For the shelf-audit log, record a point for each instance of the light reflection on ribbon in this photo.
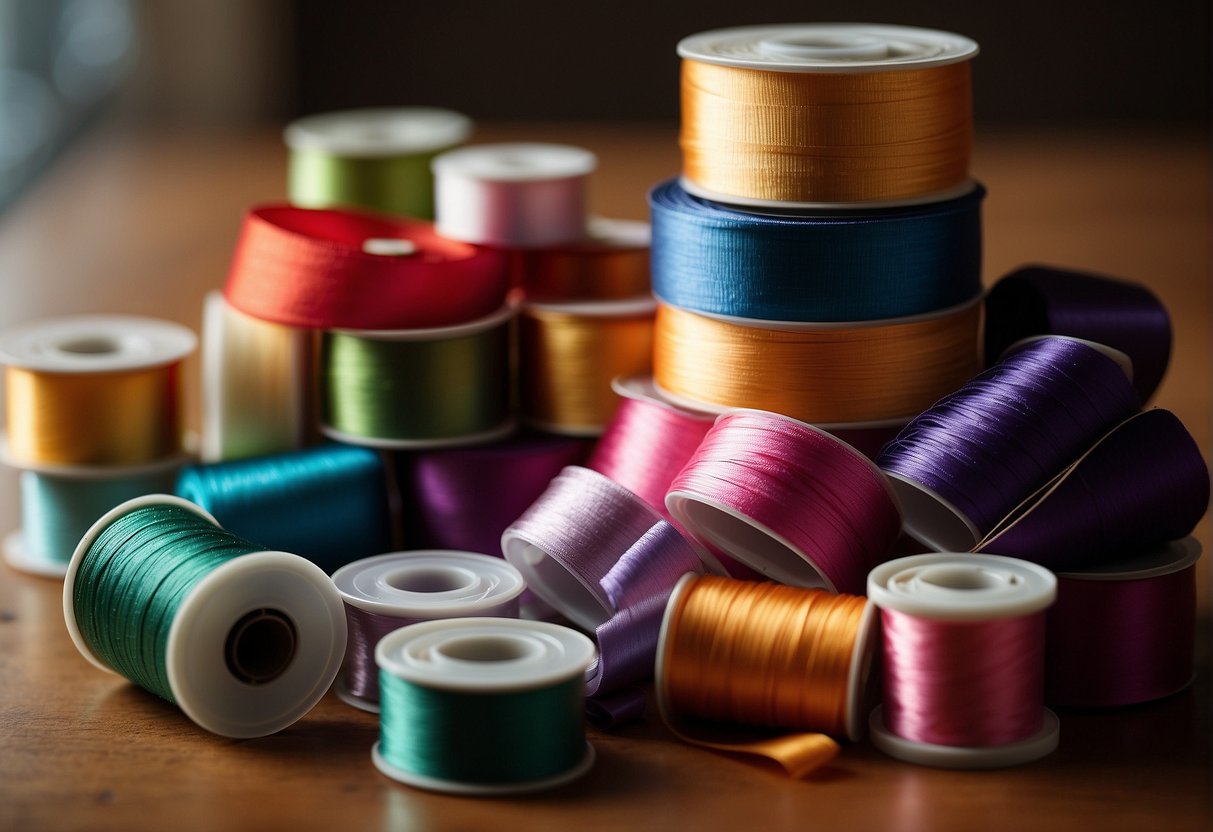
(602, 557)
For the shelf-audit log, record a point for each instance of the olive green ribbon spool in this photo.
(418, 388)
(494, 739)
(389, 184)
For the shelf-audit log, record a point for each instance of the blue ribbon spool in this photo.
(839, 266)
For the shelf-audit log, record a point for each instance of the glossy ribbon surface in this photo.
(855, 266)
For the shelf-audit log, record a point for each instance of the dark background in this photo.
(1059, 62)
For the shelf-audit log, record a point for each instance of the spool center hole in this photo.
(94, 345)
(485, 649)
(260, 646)
(962, 579)
(429, 580)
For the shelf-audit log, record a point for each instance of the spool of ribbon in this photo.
(963, 649)
(774, 657)
(867, 371)
(1125, 633)
(57, 510)
(93, 390)
(376, 158)
(418, 388)
(809, 115)
(387, 592)
(612, 263)
(513, 195)
(483, 706)
(568, 355)
(257, 384)
(1039, 300)
(964, 468)
(464, 498)
(788, 500)
(603, 558)
(840, 266)
(342, 269)
(329, 503)
(243, 641)
(647, 441)
(1142, 484)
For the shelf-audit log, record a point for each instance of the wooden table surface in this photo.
(144, 223)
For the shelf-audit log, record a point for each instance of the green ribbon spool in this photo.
(373, 158)
(483, 705)
(244, 641)
(418, 388)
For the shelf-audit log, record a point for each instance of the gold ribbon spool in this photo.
(568, 354)
(737, 653)
(827, 114)
(824, 374)
(93, 390)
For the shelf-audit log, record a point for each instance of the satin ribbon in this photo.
(421, 387)
(1124, 634)
(464, 498)
(825, 137)
(309, 268)
(1040, 300)
(612, 263)
(788, 500)
(872, 371)
(856, 266)
(568, 355)
(769, 656)
(603, 558)
(1044, 457)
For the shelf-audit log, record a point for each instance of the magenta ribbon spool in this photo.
(787, 499)
(964, 659)
(606, 560)
(1124, 634)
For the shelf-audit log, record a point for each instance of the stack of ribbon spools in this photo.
(820, 255)
(93, 419)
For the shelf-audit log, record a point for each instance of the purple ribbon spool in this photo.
(966, 463)
(606, 560)
(1039, 300)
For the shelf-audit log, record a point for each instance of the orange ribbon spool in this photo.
(870, 371)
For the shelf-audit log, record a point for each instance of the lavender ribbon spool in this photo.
(966, 463)
(386, 592)
(603, 558)
(1038, 300)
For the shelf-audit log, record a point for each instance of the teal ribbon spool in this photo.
(483, 706)
(244, 641)
(329, 504)
(57, 509)
(373, 158)
(419, 388)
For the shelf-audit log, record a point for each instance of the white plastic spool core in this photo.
(858, 675)
(379, 132)
(254, 645)
(963, 587)
(425, 585)
(95, 344)
(484, 656)
(827, 47)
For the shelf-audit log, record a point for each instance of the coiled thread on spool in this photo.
(765, 655)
